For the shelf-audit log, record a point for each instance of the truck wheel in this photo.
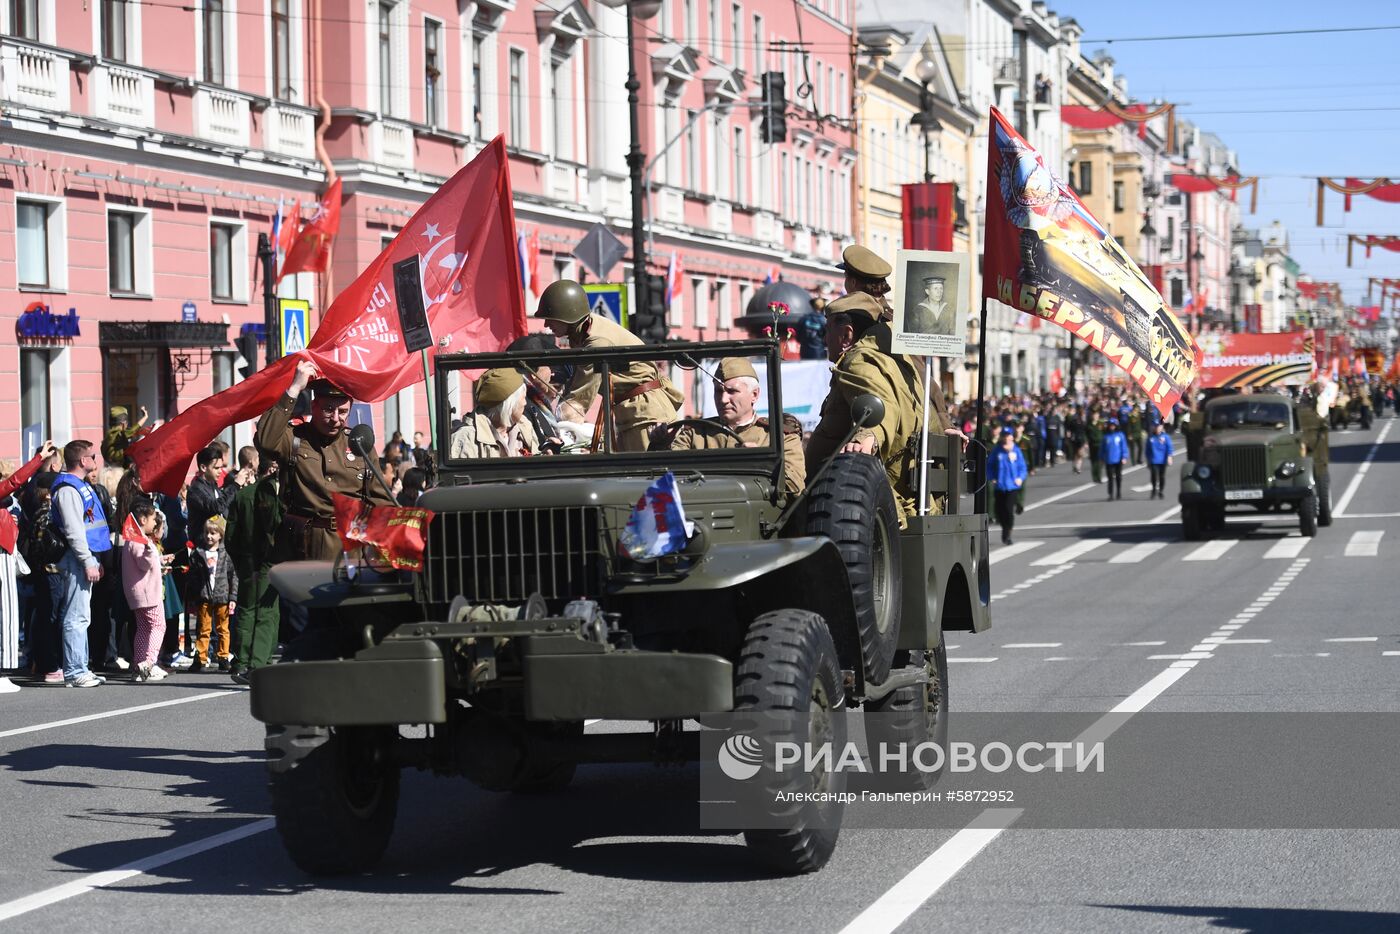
(912, 715)
(543, 778)
(335, 806)
(1324, 500)
(789, 664)
(1191, 523)
(1307, 515)
(853, 506)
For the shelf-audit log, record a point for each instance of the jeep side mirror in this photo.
(867, 411)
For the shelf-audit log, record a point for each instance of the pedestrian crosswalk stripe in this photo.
(1066, 555)
(1212, 551)
(1007, 551)
(1137, 553)
(1289, 547)
(1364, 544)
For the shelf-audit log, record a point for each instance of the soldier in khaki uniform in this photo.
(318, 463)
(866, 272)
(736, 393)
(497, 427)
(641, 397)
(120, 434)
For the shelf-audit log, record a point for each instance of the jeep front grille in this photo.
(1244, 467)
(504, 555)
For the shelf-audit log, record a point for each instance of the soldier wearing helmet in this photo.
(641, 396)
(120, 434)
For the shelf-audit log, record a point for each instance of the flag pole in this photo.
(432, 401)
(979, 499)
(923, 443)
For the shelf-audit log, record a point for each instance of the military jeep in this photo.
(1252, 454)
(528, 621)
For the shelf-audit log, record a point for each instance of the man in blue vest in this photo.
(83, 523)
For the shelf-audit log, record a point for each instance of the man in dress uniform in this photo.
(932, 315)
(318, 462)
(736, 394)
(641, 397)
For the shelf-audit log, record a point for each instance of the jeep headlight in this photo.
(1202, 472)
(1287, 469)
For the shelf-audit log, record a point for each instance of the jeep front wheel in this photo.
(1307, 516)
(788, 668)
(1191, 523)
(852, 505)
(911, 716)
(1324, 500)
(335, 806)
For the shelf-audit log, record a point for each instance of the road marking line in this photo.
(1390, 653)
(1138, 552)
(1341, 508)
(1142, 489)
(1183, 664)
(117, 713)
(1245, 641)
(1212, 551)
(1059, 658)
(1066, 555)
(1180, 657)
(98, 880)
(991, 659)
(905, 897)
(1354, 639)
(1323, 654)
(1142, 643)
(1364, 544)
(1073, 490)
(1032, 645)
(1008, 551)
(1166, 516)
(1289, 547)
(1146, 694)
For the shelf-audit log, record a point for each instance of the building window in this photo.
(432, 72)
(745, 296)
(1086, 178)
(386, 58)
(726, 308)
(715, 19)
(35, 388)
(736, 33)
(213, 23)
(221, 261)
(700, 300)
(692, 152)
(24, 19)
(1118, 197)
(560, 99)
(691, 24)
(517, 98)
(128, 253)
(758, 50)
(114, 29)
(34, 243)
(740, 159)
(1178, 293)
(477, 128)
(281, 51)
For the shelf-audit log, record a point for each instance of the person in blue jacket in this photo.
(1008, 469)
(1159, 457)
(1114, 454)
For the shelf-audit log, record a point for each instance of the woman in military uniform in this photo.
(497, 427)
(642, 398)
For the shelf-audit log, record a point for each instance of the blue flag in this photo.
(657, 525)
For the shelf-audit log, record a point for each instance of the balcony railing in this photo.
(672, 206)
(221, 117)
(391, 144)
(124, 95)
(1006, 71)
(290, 130)
(33, 77)
(802, 241)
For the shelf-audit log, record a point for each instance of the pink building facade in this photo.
(145, 147)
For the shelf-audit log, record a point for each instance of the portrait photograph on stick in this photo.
(930, 308)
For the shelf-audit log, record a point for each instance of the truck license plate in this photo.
(1244, 494)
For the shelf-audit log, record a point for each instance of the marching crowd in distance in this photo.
(99, 577)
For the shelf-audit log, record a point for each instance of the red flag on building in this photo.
(310, 248)
(1048, 256)
(464, 240)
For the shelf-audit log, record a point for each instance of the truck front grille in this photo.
(1244, 467)
(504, 555)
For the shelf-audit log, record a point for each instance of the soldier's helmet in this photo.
(563, 301)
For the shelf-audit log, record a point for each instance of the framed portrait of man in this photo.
(930, 303)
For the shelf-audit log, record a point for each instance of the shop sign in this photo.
(38, 323)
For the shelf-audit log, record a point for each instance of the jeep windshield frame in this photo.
(1243, 412)
(766, 462)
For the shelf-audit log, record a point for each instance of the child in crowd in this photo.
(143, 568)
(213, 590)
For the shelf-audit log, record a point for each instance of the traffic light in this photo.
(648, 321)
(247, 344)
(773, 129)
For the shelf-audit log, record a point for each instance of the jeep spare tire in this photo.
(852, 504)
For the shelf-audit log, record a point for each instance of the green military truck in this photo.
(1256, 451)
(527, 620)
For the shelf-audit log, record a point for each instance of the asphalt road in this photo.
(143, 807)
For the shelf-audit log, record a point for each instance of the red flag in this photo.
(397, 531)
(1048, 256)
(131, 531)
(311, 248)
(464, 240)
(286, 235)
(536, 283)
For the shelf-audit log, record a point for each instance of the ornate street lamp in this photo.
(926, 70)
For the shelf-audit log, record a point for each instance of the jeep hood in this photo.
(592, 491)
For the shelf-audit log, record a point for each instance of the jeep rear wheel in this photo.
(852, 505)
(1307, 515)
(1191, 523)
(335, 806)
(1324, 500)
(910, 716)
(788, 666)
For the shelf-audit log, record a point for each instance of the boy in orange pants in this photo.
(213, 589)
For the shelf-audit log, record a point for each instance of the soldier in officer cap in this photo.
(641, 396)
(120, 434)
(736, 395)
(868, 273)
(317, 463)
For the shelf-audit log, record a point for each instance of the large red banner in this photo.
(463, 238)
(1048, 256)
(1236, 360)
(929, 215)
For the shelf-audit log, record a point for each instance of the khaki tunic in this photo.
(477, 439)
(115, 443)
(868, 367)
(1313, 432)
(633, 416)
(316, 467)
(755, 434)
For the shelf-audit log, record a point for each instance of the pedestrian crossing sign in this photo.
(295, 315)
(608, 299)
